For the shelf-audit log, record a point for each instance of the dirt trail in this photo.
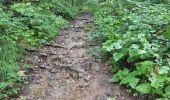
(64, 71)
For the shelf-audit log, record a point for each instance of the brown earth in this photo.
(64, 70)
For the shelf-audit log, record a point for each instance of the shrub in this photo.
(36, 24)
(137, 44)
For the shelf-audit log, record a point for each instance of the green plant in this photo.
(37, 24)
(8, 68)
(23, 25)
(137, 44)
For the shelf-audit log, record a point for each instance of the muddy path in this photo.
(64, 70)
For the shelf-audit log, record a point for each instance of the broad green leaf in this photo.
(158, 80)
(133, 55)
(115, 78)
(144, 88)
(144, 67)
(155, 84)
(145, 55)
(142, 52)
(159, 90)
(121, 74)
(117, 56)
(118, 45)
(133, 83)
(126, 79)
(167, 91)
(108, 45)
(164, 70)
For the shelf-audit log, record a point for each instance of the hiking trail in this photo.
(64, 70)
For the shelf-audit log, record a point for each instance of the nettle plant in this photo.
(138, 45)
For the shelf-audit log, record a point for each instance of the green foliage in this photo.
(60, 8)
(167, 32)
(38, 24)
(136, 42)
(91, 5)
(88, 5)
(144, 88)
(66, 11)
(8, 68)
(23, 25)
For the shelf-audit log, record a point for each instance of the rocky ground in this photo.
(64, 70)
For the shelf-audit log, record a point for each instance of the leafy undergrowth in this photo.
(8, 69)
(136, 37)
(25, 25)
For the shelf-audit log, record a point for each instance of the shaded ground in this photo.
(64, 71)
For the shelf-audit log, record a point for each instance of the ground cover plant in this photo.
(137, 44)
(24, 25)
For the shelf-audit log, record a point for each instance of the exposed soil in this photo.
(64, 70)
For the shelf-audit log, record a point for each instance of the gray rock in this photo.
(109, 92)
(58, 65)
(72, 45)
(43, 54)
(74, 75)
(95, 66)
(80, 75)
(42, 66)
(54, 70)
(87, 78)
(101, 97)
(80, 70)
(57, 92)
(86, 84)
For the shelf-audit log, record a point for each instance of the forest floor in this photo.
(65, 71)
